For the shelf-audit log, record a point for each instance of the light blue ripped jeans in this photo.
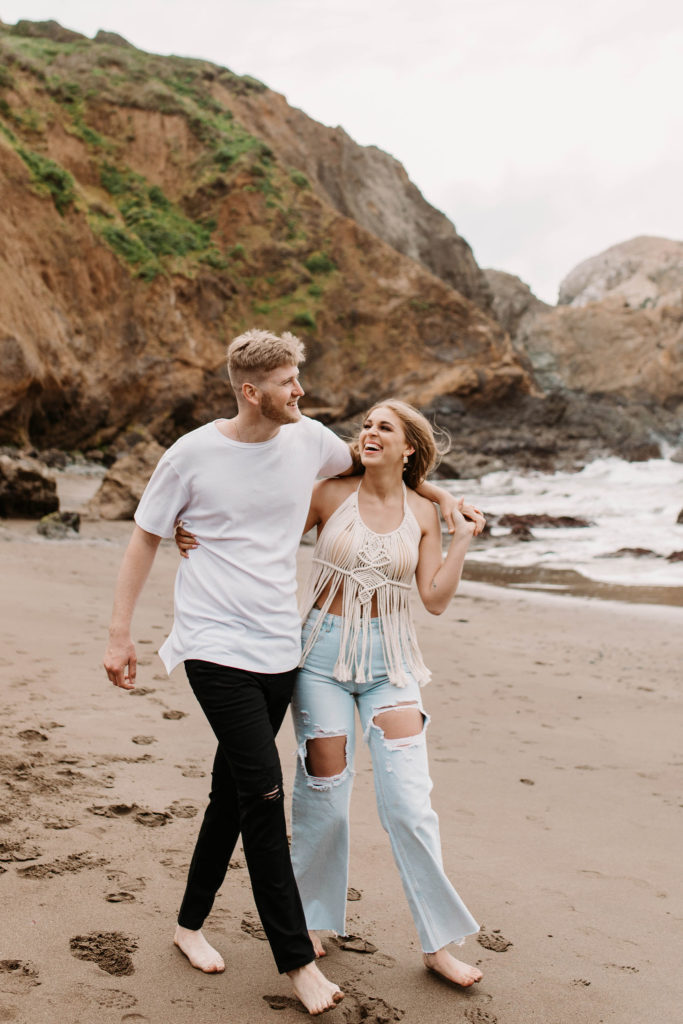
(322, 706)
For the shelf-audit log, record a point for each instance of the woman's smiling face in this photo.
(382, 439)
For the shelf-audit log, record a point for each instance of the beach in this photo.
(555, 755)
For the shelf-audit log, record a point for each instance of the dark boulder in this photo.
(59, 524)
(27, 490)
(529, 520)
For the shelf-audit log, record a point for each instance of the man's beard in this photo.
(277, 415)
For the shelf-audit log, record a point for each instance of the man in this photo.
(243, 486)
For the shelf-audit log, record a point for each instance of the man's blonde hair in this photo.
(255, 353)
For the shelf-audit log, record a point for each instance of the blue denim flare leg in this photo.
(323, 706)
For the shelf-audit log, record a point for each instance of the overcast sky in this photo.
(547, 130)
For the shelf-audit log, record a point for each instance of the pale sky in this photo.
(546, 131)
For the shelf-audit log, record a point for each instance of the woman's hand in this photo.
(185, 541)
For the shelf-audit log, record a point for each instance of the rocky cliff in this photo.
(643, 273)
(610, 362)
(619, 331)
(154, 207)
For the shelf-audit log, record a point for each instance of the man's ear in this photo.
(250, 393)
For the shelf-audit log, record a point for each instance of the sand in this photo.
(556, 765)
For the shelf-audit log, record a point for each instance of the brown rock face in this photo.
(148, 226)
(367, 185)
(121, 489)
(608, 348)
(514, 304)
(604, 347)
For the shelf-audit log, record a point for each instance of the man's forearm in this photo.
(135, 568)
(432, 492)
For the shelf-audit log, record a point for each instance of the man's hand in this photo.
(120, 662)
(458, 509)
(453, 508)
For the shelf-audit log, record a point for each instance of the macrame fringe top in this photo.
(366, 564)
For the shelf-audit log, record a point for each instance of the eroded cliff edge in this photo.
(144, 222)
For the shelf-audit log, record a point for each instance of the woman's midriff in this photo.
(337, 603)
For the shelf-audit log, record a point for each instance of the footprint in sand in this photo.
(355, 944)
(353, 894)
(476, 1015)
(141, 691)
(144, 741)
(183, 809)
(113, 810)
(355, 1008)
(111, 951)
(113, 999)
(120, 897)
(174, 716)
(152, 819)
(383, 960)
(191, 772)
(74, 862)
(21, 970)
(18, 851)
(31, 736)
(493, 940)
(253, 927)
(623, 967)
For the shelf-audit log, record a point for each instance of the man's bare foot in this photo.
(313, 989)
(316, 939)
(453, 970)
(198, 951)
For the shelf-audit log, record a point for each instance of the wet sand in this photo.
(555, 751)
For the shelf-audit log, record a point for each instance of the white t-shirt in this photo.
(235, 596)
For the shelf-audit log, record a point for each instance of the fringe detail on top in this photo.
(366, 564)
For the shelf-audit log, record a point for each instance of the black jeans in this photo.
(245, 710)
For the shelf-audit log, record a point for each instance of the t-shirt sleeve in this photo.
(163, 500)
(335, 456)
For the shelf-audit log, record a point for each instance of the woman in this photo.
(360, 651)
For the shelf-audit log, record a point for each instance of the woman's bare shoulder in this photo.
(422, 508)
(334, 489)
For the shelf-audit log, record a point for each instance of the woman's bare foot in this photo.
(198, 951)
(453, 970)
(313, 989)
(316, 939)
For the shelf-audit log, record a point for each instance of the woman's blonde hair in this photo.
(429, 442)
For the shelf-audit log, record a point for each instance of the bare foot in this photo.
(313, 989)
(316, 939)
(453, 970)
(198, 951)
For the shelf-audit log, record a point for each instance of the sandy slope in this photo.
(556, 773)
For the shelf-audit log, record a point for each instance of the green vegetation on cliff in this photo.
(54, 82)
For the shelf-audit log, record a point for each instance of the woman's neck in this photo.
(383, 484)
